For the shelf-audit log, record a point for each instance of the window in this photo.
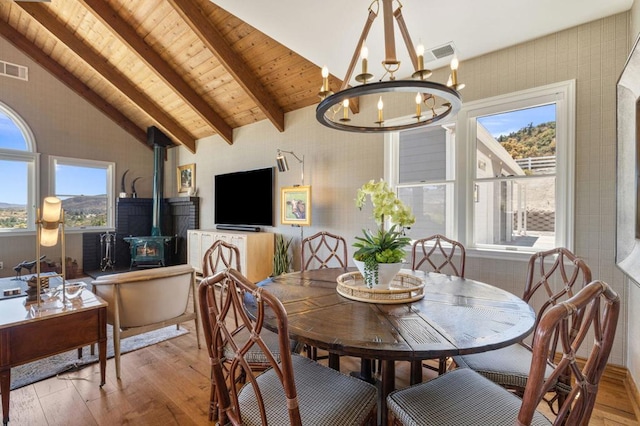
(19, 165)
(499, 178)
(86, 190)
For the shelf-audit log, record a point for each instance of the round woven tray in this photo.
(404, 288)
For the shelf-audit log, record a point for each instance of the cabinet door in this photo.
(240, 241)
(206, 241)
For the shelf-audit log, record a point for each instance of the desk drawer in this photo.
(50, 336)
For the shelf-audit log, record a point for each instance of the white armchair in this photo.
(147, 300)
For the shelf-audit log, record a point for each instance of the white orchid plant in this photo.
(383, 246)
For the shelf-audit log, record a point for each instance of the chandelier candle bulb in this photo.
(420, 53)
(325, 79)
(380, 106)
(454, 72)
(345, 106)
(418, 102)
(364, 54)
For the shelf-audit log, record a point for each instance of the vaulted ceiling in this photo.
(194, 70)
(185, 66)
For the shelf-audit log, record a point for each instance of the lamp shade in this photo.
(281, 160)
(51, 209)
(49, 237)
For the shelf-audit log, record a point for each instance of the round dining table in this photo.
(456, 316)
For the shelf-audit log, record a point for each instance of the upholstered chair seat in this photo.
(459, 397)
(325, 397)
(508, 366)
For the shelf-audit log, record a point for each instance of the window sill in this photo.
(520, 256)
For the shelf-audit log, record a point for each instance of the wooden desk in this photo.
(456, 316)
(27, 335)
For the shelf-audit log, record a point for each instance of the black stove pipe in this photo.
(160, 142)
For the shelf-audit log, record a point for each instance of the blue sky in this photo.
(75, 180)
(505, 123)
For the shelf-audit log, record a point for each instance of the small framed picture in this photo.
(295, 205)
(187, 178)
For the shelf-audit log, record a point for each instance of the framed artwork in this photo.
(295, 205)
(187, 178)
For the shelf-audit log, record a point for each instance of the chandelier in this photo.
(401, 103)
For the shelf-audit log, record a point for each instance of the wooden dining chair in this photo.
(552, 276)
(219, 257)
(319, 251)
(440, 254)
(324, 250)
(294, 388)
(463, 396)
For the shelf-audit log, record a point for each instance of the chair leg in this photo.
(116, 350)
(213, 402)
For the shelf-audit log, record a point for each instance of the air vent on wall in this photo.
(15, 71)
(439, 52)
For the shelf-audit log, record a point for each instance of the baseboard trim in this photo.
(615, 372)
(632, 390)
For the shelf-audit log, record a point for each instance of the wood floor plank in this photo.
(66, 407)
(25, 408)
(184, 387)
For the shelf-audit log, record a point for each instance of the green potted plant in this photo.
(281, 256)
(377, 251)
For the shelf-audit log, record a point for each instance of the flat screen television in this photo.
(244, 198)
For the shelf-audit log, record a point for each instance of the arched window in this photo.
(19, 169)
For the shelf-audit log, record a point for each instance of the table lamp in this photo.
(48, 227)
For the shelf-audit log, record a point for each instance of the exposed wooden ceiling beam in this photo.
(35, 53)
(127, 35)
(40, 13)
(195, 17)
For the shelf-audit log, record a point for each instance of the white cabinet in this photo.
(256, 250)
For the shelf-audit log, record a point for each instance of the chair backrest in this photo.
(220, 256)
(438, 253)
(552, 277)
(323, 250)
(219, 296)
(596, 308)
(147, 296)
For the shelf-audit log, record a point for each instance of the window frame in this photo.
(29, 156)
(563, 94)
(109, 166)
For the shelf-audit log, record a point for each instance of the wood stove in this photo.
(148, 251)
(153, 250)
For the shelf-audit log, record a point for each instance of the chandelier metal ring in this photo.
(451, 97)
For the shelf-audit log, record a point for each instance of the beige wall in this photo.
(337, 162)
(65, 125)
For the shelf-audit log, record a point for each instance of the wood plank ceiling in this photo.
(185, 66)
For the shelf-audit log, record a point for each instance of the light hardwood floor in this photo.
(167, 384)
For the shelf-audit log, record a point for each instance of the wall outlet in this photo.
(1, 265)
